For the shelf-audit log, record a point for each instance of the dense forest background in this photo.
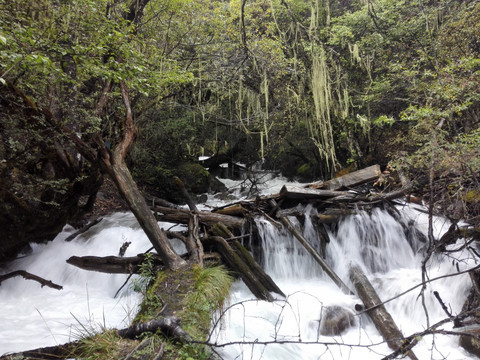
(309, 88)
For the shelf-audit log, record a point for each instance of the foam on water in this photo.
(388, 249)
(32, 316)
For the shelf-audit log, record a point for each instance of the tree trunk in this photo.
(136, 202)
(378, 313)
(116, 168)
(236, 264)
(208, 218)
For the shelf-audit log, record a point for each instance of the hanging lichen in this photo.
(354, 53)
(320, 126)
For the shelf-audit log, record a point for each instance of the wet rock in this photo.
(471, 343)
(335, 320)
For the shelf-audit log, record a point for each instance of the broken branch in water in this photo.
(29, 276)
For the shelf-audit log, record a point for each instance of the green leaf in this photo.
(3, 40)
(2, 80)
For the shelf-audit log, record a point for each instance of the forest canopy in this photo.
(304, 87)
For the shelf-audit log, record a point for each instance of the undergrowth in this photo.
(193, 294)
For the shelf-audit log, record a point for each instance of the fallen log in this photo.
(233, 210)
(169, 326)
(183, 216)
(237, 265)
(26, 275)
(155, 201)
(332, 216)
(64, 351)
(355, 178)
(264, 278)
(113, 264)
(316, 256)
(83, 229)
(242, 252)
(295, 192)
(378, 313)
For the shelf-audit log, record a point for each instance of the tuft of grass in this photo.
(211, 288)
(105, 346)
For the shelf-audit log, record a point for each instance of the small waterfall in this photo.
(387, 246)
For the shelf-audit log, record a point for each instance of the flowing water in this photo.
(32, 316)
(388, 248)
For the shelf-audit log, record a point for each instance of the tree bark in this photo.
(169, 326)
(349, 180)
(378, 313)
(354, 178)
(64, 351)
(207, 218)
(112, 264)
(117, 169)
(235, 263)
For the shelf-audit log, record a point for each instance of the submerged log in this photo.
(83, 229)
(378, 313)
(316, 256)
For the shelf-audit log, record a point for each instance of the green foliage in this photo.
(212, 286)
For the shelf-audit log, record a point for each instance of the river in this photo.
(388, 248)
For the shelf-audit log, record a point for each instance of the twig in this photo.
(28, 276)
(83, 229)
